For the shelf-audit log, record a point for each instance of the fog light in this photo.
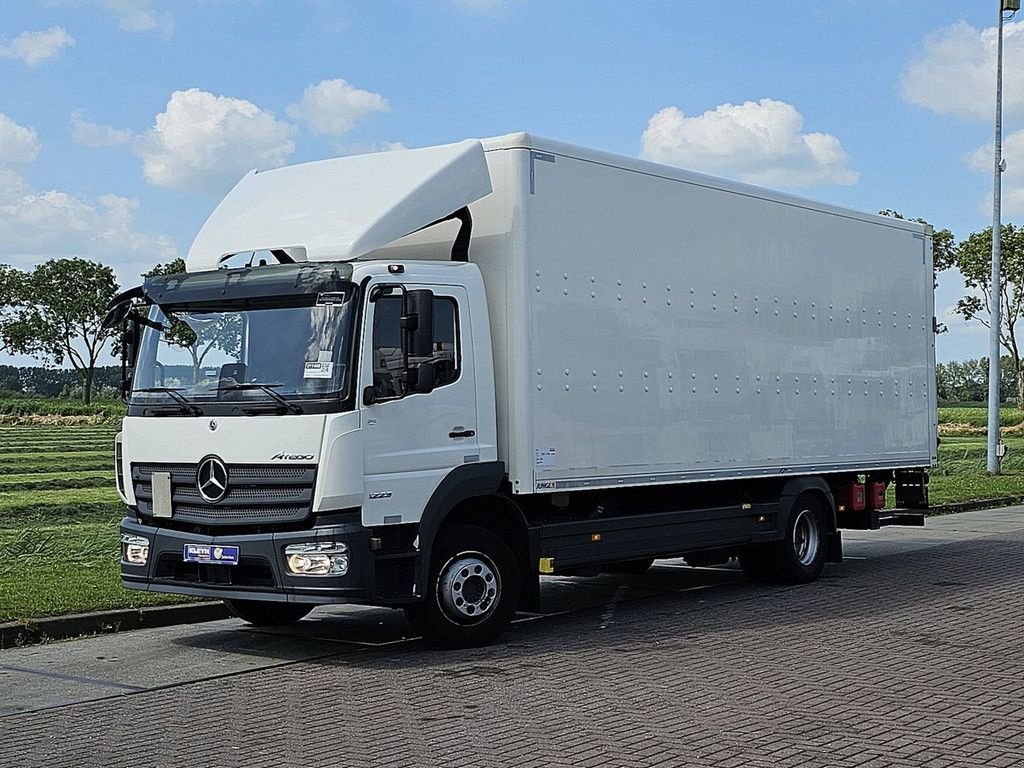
(317, 558)
(134, 549)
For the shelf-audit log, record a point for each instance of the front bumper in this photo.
(260, 574)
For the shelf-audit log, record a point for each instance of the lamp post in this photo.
(993, 339)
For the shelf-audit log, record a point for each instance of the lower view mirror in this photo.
(369, 395)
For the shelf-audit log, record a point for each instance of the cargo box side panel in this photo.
(681, 332)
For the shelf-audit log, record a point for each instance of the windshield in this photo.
(208, 357)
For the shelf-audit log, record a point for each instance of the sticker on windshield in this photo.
(319, 369)
(327, 299)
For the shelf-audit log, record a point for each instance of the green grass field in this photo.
(59, 511)
(59, 514)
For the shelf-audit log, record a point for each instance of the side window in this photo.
(446, 334)
(389, 372)
(388, 361)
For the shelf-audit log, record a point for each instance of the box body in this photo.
(652, 325)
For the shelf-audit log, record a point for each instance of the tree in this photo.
(967, 380)
(55, 312)
(222, 333)
(973, 257)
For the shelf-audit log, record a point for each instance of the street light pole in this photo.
(993, 341)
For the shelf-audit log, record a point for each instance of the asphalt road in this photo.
(907, 654)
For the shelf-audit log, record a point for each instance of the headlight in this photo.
(317, 558)
(134, 549)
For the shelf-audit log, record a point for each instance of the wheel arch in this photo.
(470, 495)
(796, 486)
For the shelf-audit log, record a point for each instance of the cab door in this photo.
(412, 440)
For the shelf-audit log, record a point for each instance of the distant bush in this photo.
(52, 406)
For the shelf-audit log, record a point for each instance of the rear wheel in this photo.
(800, 556)
(266, 613)
(472, 592)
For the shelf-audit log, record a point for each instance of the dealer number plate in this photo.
(216, 554)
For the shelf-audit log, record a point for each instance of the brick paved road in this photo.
(908, 657)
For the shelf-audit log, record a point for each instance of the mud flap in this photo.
(835, 547)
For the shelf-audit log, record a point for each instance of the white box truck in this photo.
(423, 378)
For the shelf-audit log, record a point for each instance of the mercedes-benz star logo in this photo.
(212, 479)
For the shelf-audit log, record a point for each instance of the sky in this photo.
(122, 122)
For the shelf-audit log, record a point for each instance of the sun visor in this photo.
(342, 208)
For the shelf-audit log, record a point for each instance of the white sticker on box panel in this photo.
(544, 458)
(318, 369)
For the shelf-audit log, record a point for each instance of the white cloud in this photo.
(42, 224)
(204, 143)
(36, 47)
(956, 69)
(758, 142)
(139, 16)
(982, 161)
(84, 131)
(333, 107)
(18, 145)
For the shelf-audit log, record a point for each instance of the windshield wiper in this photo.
(268, 388)
(175, 394)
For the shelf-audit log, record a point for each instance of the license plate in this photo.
(216, 554)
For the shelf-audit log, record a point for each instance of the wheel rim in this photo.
(468, 588)
(805, 537)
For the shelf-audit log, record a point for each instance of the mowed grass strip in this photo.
(59, 482)
(43, 464)
(47, 437)
(30, 455)
(29, 449)
(11, 479)
(75, 504)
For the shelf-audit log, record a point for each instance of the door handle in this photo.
(461, 433)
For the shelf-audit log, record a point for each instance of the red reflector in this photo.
(878, 495)
(858, 500)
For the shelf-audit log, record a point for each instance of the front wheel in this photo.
(472, 592)
(267, 613)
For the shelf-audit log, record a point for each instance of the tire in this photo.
(472, 591)
(267, 613)
(800, 557)
(629, 567)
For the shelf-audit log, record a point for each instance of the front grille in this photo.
(257, 494)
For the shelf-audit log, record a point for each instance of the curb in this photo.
(970, 506)
(29, 632)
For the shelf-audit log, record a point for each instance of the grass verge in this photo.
(53, 567)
